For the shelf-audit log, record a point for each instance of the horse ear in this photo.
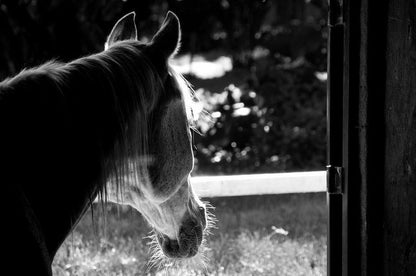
(124, 29)
(167, 39)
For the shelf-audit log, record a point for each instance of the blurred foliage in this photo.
(276, 119)
(272, 120)
(279, 125)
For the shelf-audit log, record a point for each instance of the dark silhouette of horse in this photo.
(115, 125)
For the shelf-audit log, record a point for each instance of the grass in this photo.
(256, 235)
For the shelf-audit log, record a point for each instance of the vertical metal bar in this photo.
(335, 131)
(334, 253)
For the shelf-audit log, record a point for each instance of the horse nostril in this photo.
(171, 248)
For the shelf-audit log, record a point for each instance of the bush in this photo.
(278, 125)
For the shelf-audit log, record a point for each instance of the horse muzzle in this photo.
(189, 239)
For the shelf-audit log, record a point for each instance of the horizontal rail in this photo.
(259, 184)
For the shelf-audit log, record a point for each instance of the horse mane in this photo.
(115, 89)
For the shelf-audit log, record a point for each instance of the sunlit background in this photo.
(259, 69)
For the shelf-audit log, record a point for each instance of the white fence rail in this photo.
(259, 184)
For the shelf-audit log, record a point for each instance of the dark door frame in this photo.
(356, 142)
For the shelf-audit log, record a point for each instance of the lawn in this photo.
(255, 235)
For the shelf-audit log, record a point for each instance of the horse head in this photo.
(162, 192)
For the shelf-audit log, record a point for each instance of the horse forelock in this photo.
(191, 102)
(134, 71)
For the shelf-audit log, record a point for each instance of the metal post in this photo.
(335, 131)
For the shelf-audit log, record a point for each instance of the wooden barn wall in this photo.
(399, 227)
(379, 141)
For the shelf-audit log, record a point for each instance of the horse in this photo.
(114, 125)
